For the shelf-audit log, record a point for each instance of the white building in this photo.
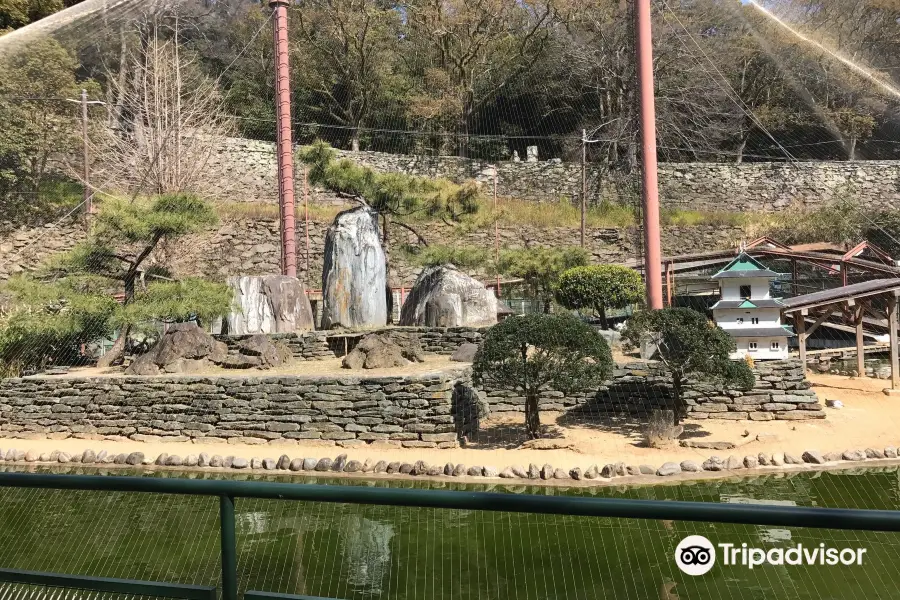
(747, 310)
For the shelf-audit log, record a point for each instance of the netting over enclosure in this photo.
(467, 179)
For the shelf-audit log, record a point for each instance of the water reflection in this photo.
(402, 553)
(367, 552)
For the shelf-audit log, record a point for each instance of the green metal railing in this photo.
(228, 491)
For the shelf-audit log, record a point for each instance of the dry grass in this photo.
(511, 212)
(267, 211)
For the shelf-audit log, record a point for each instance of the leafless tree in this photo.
(168, 120)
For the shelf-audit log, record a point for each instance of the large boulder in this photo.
(183, 348)
(354, 279)
(444, 296)
(269, 304)
(268, 353)
(185, 340)
(377, 351)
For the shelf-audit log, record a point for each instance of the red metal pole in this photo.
(284, 142)
(650, 187)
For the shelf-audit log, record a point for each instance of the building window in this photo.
(740, 320)
(745, 291)
(754, 321)
(753, 346)
(775, 345)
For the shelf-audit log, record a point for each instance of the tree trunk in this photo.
(463, 129)
(603, 322)
(532, 416)
(851, 148)
(354, 141)
(532, 394)
(117, 352)
(740, 151)
(386, 245)
(678, 401)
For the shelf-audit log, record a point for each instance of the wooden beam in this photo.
(669, 283)
(892, 324)
(822, 318)
(860, 342)
(800, 324)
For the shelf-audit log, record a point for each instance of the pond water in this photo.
(344, 551)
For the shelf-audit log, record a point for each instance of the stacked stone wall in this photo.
(323, 345)
(420, 411)
(247, 168)
(781, 392)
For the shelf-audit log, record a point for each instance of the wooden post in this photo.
(496, 234)
(668, 284)
(794, 277)
(306, 215)
(860, 342)
(892, 324)
(86, 167)
(800, 324)
(583, 184)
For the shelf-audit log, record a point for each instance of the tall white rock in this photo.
(354, 278)
(269, 304)
(444, 296)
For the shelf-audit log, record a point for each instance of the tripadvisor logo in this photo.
(696, 555)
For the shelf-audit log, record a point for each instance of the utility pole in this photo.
(583, 184)
(650, 185)
(306, 215)
(496, 233)
(284, 142)
(86, 173)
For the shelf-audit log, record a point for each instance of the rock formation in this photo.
(354, 279)
(465, 353)
(269, 304)
(444, 296)
(378, 351)
(185, 348)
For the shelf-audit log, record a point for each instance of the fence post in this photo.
(86, 167)
(229, 547)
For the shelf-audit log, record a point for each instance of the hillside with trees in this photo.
(490, 77)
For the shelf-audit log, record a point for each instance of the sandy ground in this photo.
(869, 419)
(311, 368)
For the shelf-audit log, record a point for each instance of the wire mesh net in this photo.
(351, 551)
(138, 171)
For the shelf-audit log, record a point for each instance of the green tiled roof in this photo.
(744, 262)
(745, 266)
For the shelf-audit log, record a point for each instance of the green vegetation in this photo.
(689, 345)
(535, 352)
(35, 130)
(464, 257)
(392, 195)
(540, 268)
(844, 221)
(18, 13)
(70, 302)
(599, 288)
(50, 321)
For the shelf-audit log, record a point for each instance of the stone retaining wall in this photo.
(781, 392)
(246, 169)
(427, 411)
(250, 246)
(322, 345)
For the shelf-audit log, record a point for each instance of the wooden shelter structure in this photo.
(877, 297)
